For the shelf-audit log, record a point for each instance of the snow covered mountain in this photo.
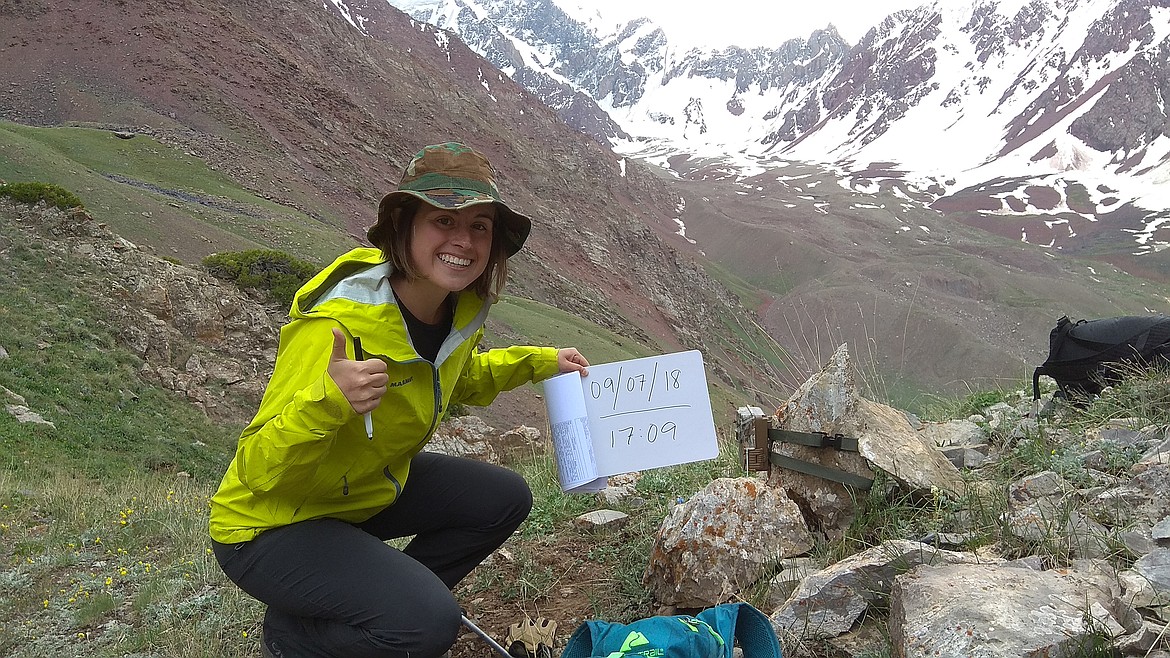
(1046, 108)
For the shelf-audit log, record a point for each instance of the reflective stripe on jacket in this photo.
(306, 454)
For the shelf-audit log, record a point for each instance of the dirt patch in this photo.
(553, 578)
(513, 409)
(1044, 198)
(963, 202)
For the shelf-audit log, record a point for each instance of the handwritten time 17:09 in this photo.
(650, 434)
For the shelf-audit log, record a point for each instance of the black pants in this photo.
(334, 589)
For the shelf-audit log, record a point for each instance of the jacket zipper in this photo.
(436, 407)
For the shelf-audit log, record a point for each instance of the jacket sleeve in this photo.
(299, 417)
(486, 374)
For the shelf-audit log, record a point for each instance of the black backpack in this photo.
(1087, 355)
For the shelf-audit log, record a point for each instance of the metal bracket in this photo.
(814, 439)
(823, 472)
(755, 443)
(833, 441)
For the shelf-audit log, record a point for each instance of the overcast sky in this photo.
(751, 22)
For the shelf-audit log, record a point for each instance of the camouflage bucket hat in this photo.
(452, 176)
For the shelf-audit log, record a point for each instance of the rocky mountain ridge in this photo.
(1048, 110)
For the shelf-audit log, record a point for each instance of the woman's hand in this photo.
(362, 382)
(570, 360)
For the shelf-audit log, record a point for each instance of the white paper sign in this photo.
(630, 416)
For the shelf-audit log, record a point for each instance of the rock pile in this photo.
(1069, 566)
(198, 336)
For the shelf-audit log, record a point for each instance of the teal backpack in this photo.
(710, 634)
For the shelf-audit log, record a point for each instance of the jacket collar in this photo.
(355, 291)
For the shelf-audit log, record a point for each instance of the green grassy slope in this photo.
(155, 194)
(65, 360)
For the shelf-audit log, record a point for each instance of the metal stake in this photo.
(486, 638)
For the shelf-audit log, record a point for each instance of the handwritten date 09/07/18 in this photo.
(638, 384)
(650, 434)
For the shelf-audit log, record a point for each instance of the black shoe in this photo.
(270, 650)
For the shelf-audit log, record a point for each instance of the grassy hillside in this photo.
(65, 361)
(103, 514)
(540, 324)
(153, 193)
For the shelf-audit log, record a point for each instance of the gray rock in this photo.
(1159, 454)
(792, 572)
(1147, 583)
(23, 414)
(1141, 641)
(1160, 533)
(966, 456)
(1055, 521)
(518, 443)
(1137, 541)
(985, 611)
(1033, 562)
(1034, 487)
(614, 495)
(464, 436)
(828, 602)
(1143, 498)
(1117, 432)
(1023, 428)
(602, 520)
(948, 539)
(12, 396)
(1000, 415)
(830, 402)
(953, 433)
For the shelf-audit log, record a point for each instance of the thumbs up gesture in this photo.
(362, 382)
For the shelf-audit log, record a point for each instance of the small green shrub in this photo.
(34, 193)
(275, 272)
(1143, 392)
(974, 403)
(454, 411)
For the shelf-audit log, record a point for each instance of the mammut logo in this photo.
(404, 382)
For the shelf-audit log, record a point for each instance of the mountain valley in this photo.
(780, 261)
(193, 127)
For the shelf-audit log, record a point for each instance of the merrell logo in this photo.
(404, 382)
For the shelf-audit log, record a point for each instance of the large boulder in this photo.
(720, 542)
(887, 440)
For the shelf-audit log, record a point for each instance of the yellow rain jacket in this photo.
(306, 454)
